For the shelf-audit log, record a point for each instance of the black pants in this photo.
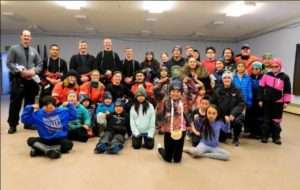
(137, 142)
(195, 139)
(269, 126)
(78, 134)
(236, 126)
(111, 138)
(20, 89)
(173, 148)
(254, 120)
(66, 145)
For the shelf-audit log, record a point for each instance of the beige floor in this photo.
(253, 166)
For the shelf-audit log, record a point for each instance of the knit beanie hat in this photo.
(141, 92)
(257, 65)
(119, 102)
(176, 84)
(227, 74)
(277, 61)
(107, 95)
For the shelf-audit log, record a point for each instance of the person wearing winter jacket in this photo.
(52, 126)
(113, 139)
(210, 62)
(79, 128)
(142, 121)
(274, 95)
(230, 101)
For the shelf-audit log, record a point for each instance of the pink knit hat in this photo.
(277, 61)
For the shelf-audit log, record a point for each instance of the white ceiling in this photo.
(128, 19)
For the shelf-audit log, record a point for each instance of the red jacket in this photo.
(148, 87)
(95, 94)
(60, 93)
(210, 65)
(248, 62)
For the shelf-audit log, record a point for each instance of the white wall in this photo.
(281, 44)
(69, 45)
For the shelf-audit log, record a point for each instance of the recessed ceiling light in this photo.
(72, 5)
(240, 8)
(81, 17)
(218, 22)
(151, 19)
(158, 6)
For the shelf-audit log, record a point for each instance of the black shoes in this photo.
(30, 127)
(12, 129)
(236, 142)
(277, 141)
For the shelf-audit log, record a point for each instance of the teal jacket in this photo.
(142, 123)
(83, 118)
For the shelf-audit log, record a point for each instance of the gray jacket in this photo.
(16, 55)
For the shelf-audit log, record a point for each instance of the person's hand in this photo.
(185, 80)
(65, 103)
(227, 119)
(285, 105)
(128, 80)
(197, 133)
(31, 72)
(84, 78)
(86, 127)
(35, 106)
(25, 73)
(260, 103)
(108, 73)
(231, 117)
(90, 132)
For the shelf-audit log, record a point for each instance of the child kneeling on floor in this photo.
(52, 126)
(175, 124)
(113, 137)
(210, 129)
(142, 121)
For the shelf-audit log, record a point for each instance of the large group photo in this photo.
(154, 112)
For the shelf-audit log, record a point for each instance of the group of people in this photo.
(181, 97)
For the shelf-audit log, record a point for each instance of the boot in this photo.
(115, 149)
(12, 129)
(52, 152)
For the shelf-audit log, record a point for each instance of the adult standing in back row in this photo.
(108, 61)
(83, 63)
(24, 63)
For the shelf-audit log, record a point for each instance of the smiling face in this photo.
(119, 109)
(227, 81)
(211, 114)
(141, 99)
(83, 47)
(95, 75)
(49, 108)
(175, 94)
(25, 38)
(240, 68)
(219, 65)
(164, 58)
(227, 54)
(72, 98)
(54, 52)
(275, 68)
(149, 56)
(210, 54)
(129, 53)
(140, 77)
(117, 78)
(192, 63)
(245, 51)
(107, 44)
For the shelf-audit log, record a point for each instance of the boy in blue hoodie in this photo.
(52, 126)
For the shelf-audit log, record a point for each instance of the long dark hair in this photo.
(232, 53)
(137, 105)
(207, 129)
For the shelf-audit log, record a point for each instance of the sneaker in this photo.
(264, 140)
(101, 148)
(115, 149)
(277, 141)
(53, 154)
(12, 129)
(236, 142)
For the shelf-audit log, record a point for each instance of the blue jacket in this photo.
(50, 125)
(245, 86)
(101, 107)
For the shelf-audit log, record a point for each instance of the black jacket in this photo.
(119, 91)
(118, 123)
(108, 60)
(77, 64)
(229, 101)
